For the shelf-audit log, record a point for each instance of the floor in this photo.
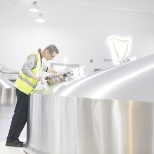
(6, 113)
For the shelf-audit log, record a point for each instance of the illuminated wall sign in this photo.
(119, 47)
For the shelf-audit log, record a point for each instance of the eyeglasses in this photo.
(52, 56)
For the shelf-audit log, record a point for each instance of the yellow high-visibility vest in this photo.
(25, 83)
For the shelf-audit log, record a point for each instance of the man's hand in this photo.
(38, 78)
(52, 71)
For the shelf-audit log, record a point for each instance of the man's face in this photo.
(50, 56)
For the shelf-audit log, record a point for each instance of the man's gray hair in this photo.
(52, 48)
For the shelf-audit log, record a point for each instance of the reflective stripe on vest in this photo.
(26, 81)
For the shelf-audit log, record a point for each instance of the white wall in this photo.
(79, 32)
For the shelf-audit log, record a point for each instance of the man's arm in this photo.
(29, 65)
(51, 71)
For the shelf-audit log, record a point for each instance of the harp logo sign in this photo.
(119, 47)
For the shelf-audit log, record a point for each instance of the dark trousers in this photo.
(19, 118)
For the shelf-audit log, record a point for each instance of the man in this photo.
(26, 82)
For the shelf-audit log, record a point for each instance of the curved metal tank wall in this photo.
(128, 81)
(107, 112)
(7, 92)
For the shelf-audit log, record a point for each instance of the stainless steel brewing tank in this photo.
(130, 81)
(107, 112)
(71, 125)
(7, 92)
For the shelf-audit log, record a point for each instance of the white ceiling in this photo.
(60, 10)
(50, 5)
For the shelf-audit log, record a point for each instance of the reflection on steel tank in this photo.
(127, 81)
(107, 112)
(7, 92)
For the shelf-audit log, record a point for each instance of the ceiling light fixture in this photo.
(40, 18)
(34, 7)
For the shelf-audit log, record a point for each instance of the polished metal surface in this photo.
(128, 81)
(107, 112)
(7, 92)
(69, 125)
(9, 73)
